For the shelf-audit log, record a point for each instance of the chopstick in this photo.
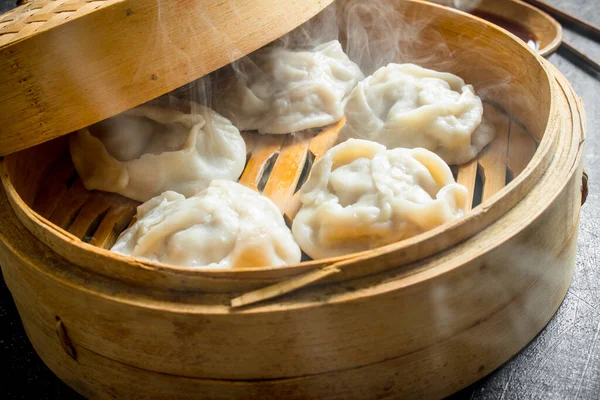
(579, 58)
(568, 20)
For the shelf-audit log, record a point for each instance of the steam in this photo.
(463, 5)
(373, 34)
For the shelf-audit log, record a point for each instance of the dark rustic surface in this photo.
(562, 362)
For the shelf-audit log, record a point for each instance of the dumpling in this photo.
(282, 91)
(361, 196)
(225, 226)
(148, 150)
(404, 105)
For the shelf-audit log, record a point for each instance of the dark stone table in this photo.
(562, 362)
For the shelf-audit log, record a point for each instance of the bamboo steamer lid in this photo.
(66, 64)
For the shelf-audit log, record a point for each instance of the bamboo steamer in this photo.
(546, 29)
(420, 318)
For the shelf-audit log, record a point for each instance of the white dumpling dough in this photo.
(360, 196)
(282, 91)
(225, 226)
(148, 150)
(404, 105)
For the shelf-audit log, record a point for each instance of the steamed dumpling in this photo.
(282, 91)
(361, 196)
(225, 226)
(404, 105)
(148, 150)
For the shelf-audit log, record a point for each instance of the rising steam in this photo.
(372, 34)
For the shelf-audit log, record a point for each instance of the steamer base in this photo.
(465, 310)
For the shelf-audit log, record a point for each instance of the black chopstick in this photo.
(569, 20)
(580, 59)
